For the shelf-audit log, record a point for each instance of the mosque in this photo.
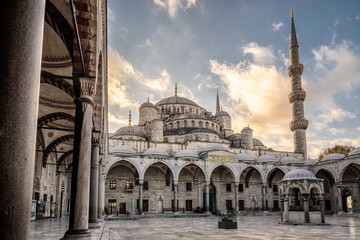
(182, 158)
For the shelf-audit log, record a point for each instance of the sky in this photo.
(241, 48)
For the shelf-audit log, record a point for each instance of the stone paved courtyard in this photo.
(249, 227)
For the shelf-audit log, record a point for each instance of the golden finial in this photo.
(175, 89)
(148, 99)
(292, 13)
(129, 118)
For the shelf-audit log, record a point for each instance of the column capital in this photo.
(95, 140)
(338, 184)
(175, 183)
(85, 89)
(306, 196)
(236, 184)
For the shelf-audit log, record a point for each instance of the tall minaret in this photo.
(217, 101)
(299, 124)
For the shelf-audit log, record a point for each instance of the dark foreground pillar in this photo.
(21, 36)
(94, 181)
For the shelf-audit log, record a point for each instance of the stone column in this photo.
(236, 197)
(101, 192)
(286, 209)
(80, 182)
(21, 28)
(141, 184)
(94, 178)
(175, 197)
(207, 197)
(322, 210)
(282, 208)
(339, 195)
(306, 208)
(264, 197)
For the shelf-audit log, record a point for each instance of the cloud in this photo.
(122, 74)
(277, 26)
(258, 94)
(111, 15)
(172, 6)
(322, 120)
(261, 55)
(116, 121)
(357, 17)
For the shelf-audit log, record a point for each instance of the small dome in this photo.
(129, 130)
(156, 151)
(176, 100)
(188, 116)
(355, 151)
(310, 162)
(246, 129)
(257, 142)
(290, 160)
(214, 147)
(186, 154)
(221, 113)
(266, 159)
(234, 137)
(147, 104)
(333, 156)
(299, 174)
(123, 150)
(244, 157)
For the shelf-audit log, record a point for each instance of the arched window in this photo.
(197, 111)
(207, 125)
(185, 124)
(200, 124)
(177, 124)
(165, 139)
(165, 127)
(171, 126)
(212, 126)
(192, 123)
(207, 138)
(196, 137)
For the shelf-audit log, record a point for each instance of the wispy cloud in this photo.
(172, 6)
(357, 17)
(277, 26)
(261, 55)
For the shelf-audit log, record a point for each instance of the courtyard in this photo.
(249, 227)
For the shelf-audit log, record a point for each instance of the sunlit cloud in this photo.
(277, 26)
(172, 6)
(260, 55)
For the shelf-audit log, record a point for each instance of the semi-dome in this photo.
(188, 116)
(355, 151)
(176, 100)
(290, 160)
(214, 147)
(333, 156)
(299, 174)
(221, 113)
(310, 162)
(266, 159)
(244, 157)
(123, 150)
(186, 154)
(147, 104)
(156, 151)
(129, 130)
(257, 142)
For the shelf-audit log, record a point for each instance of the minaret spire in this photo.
(129, 118)
(217, 101)
(299, 124)
(175, 89)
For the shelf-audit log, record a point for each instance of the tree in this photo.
(337, 148)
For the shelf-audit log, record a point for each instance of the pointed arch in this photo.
(272, 174)
(53, 145)
(58, 82)
(55, 116)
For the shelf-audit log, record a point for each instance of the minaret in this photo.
(217, 101)
(299, 124)
(175, 89)
(129, 118)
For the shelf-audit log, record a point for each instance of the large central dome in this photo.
(176, 100)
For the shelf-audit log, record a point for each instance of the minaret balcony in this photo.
(297, 95)
(295, 70)
(299, 124)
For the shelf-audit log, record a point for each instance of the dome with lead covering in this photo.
(214, 147)
(244, 157)
(123, 150)
(221, 113)
(129, 130)
(156, 151)
(257, 142)
(147, 104)
(298, 174)
(266, 159)
(355, 151)
(290, 160)
(188, 116)
(176, 100)
(186, 154)
(333, 156)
